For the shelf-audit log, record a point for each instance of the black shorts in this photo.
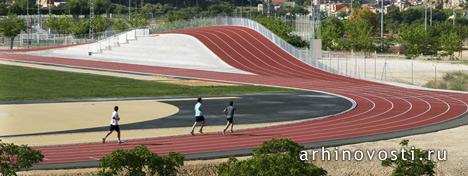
(199, 118)
(114, 127)
(230, 119)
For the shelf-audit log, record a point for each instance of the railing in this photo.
(115, 40)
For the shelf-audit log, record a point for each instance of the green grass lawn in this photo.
(22, 83)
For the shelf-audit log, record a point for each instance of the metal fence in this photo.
(115, 40)
(38, 40)
(388, 67)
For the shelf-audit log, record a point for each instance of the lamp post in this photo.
(382, 25)
(91, 16)
(425, 15)
(129, 8)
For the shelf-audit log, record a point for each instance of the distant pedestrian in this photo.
(198, 116)
(229, 112)
(114, 125)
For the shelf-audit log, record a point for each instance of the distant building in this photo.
(45, 3)
(453, 3)
(284, 3)
(338, 7)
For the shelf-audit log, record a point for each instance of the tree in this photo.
(368, 16)
(358, 34)
(280, 28)
(120, 25)
(332, 31)
(278, 157)
(101, 24)
(14, 158)
(102, 6)
(418, 167)
(11, 26)
(61, 25)
(415, 41)
(80, 27)
(182, 14)
(450, 43)
(139, 162)
(393, 18)
(137, 20)
(19, 7)
(77, 7)
(119, 9)
(221, 8)
(3, 9)
(356, 4)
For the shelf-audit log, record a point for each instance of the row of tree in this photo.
(79, 26)
(277, 157)
(361, 32)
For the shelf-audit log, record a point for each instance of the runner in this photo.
(198, 116)
(114, 125)
(229, 112)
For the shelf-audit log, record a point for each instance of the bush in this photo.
(120, 25)
(140, 161)
(283, 30)
(453, 81)
(278, 157)
(14, 158)
(422, 165)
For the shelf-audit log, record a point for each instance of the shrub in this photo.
(278, 157)
(14, 158)
(422, 165)
(453, 81)
(140, 161)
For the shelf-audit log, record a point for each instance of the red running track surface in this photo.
(380, 108)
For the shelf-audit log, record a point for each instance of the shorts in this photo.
(114, 127)
(230, 119)
(199, 118)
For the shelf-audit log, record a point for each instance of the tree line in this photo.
(407, 30)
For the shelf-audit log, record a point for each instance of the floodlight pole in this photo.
(129, 9)
(430, 16)
(382, 25)
(28, 21)
(38, 14)
(91, 16)
(425, 15)
(453, 11)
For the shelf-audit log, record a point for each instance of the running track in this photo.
(381, 109)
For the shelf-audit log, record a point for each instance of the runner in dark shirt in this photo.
(229, 112)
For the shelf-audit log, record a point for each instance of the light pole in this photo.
(38, 14)
(382, 25)
(28, 22)
(425, 15)
(129, 9)
(91, 16)
(453, 11)
(430, 16)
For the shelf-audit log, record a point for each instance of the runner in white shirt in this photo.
(198, 116)
(114, 125)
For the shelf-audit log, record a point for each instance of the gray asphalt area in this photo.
(251, 109)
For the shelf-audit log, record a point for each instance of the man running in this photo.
(114, 125)
(198, 116)
(229, 112)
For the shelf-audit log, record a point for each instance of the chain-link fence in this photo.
(38, 40)
(388, 67)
